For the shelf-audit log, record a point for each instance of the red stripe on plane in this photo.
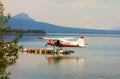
(64, 45)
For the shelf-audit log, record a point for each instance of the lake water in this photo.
(100, 60)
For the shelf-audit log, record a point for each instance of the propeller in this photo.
(46, 44)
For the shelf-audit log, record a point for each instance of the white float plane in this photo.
(64, 42)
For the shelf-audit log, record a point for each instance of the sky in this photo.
(93, 14)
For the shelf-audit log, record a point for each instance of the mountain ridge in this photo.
(25, 22)
(23, 16)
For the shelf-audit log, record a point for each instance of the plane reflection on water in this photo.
(59, 59)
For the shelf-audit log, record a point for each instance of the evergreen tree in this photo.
(8, 49)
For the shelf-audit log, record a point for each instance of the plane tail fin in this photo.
(81, 42)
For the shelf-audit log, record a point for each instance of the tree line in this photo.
(12, 31)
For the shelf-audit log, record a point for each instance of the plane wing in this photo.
(66, 38)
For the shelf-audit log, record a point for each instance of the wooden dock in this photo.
(46, 51)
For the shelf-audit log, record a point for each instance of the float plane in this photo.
(65, 42)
